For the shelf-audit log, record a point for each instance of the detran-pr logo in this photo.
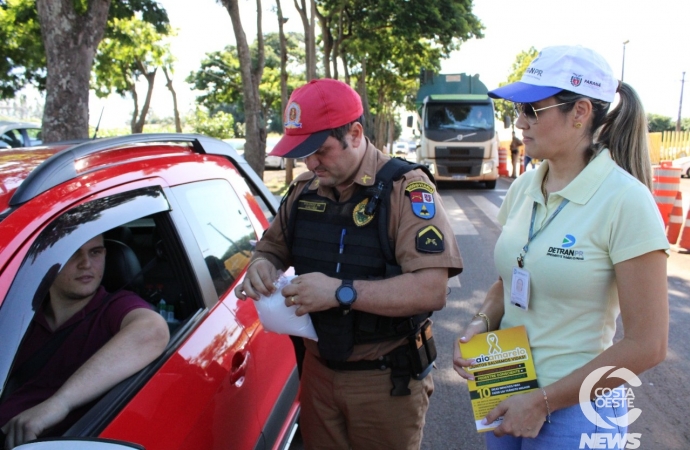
(568, 241)
(609, 398)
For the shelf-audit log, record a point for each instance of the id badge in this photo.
(519, 289)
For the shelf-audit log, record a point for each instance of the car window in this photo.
(34, 135)
(52, 248)
(222, 229)
(13, 138)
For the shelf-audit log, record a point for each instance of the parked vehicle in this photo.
(19, 134)
(455, 117)
(189, 210)
(271, 162)
(683, 164)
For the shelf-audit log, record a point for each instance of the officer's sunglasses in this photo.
(530, 113)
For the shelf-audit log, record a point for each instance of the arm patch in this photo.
(430, 240)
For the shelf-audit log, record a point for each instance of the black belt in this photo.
(396, 357)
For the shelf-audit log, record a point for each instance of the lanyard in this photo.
(533, 234)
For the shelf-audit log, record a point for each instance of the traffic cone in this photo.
(675, 221)
(502, 162)
(685, 234)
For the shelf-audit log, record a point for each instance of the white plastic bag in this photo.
(277, 317)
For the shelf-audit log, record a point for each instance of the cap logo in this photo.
(293, 116)
(576, 80)
(534, 71)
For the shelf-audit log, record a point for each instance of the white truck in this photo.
(455, 117)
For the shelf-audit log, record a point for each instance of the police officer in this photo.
(373, 250)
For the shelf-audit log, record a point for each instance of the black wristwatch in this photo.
(346, 296)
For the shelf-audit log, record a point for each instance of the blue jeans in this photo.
(564, 432)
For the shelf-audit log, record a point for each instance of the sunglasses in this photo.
(530, 113)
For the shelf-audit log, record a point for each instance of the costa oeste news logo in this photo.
(607, 398)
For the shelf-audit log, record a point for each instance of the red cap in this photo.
(312, 112)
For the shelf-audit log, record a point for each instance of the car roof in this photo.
(10, 125)
(28, 172)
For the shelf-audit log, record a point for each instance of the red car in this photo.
(180, 215)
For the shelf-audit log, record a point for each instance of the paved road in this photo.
(665, 390)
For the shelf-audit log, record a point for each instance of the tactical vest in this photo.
(315, 227)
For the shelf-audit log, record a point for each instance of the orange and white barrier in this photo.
(675, 222)
(684, 241)
(502, 162)
(666, 184)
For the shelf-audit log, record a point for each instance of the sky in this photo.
(656, 55)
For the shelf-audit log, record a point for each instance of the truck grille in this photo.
(452, 160)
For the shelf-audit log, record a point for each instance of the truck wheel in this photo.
(490, 184)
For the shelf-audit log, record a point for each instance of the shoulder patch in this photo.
(420, 185)
(359, 216)
(430, 240)
(422, 199)
(312, 206)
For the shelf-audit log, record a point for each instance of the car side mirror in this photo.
(409, 121)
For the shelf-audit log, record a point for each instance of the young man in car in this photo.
(104, 337)
(373, 248)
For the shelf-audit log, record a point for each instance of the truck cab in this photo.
(456, 122)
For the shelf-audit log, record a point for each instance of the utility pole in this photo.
(680, 105)
(623, 68)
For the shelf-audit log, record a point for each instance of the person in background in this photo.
(515, 144)
(584, 231)
(105, 339)
(373, 249)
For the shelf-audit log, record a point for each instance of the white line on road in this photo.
(460, 223)
(487, 207)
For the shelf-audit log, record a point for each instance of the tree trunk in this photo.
(327, 39)
(337, 42)
(150, 78)
(255, 128)
(176, 110)
(309, 36)
(135, 98)
(70, 41)
(289, 162)
(369, 129)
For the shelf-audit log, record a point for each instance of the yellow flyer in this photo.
(503, 367)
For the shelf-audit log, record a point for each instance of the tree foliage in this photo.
(221, 125)
(522, 61)
(23, 57)
(219, 81)
(657, 122)
(384, 44)
(135, 49)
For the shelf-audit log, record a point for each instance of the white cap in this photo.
(572, 68)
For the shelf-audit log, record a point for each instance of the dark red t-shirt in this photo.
(88, 336)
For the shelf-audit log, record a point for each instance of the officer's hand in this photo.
(459, 364)
(311, 292)
(28, 425)
(258, 281)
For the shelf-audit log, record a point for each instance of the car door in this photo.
(200, 396)
(226, 231)
(192, 396)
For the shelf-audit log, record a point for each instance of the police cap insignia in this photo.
(421, 199)
(430, 240)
